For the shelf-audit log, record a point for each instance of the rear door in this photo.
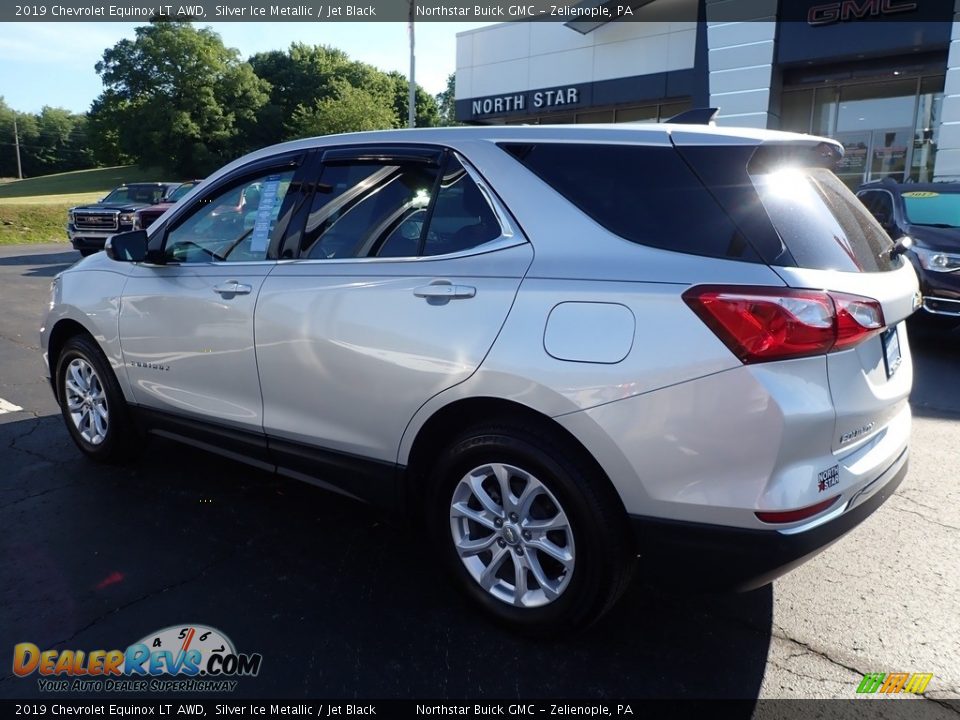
(407, 267)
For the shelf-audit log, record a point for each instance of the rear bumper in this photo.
(716, 557)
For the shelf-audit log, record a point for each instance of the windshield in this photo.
(148, 194)
(181, 191)
(932, 208)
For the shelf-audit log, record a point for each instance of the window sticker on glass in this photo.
(920, 194)
(264, 219)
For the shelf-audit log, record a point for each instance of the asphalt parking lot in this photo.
(342, 605)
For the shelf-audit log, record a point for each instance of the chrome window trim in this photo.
(501, 243)
(507, 228)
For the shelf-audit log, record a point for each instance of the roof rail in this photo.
(695, 116)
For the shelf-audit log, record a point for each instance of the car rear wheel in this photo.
(528, 529)
(87, 253)
(92, 403)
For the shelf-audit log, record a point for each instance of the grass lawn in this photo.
(98, 181)
(33, 223)
(35, 210)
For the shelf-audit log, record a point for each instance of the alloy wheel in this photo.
(512, 535)
(86, 401)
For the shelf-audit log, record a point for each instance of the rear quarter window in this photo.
(647, 195)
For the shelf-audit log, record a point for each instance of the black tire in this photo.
(88, 253)
(121, 440)
(605, 554)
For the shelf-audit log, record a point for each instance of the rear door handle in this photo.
(232, 287)
(445, 291)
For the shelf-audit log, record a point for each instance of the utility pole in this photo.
(412, 94)
(16, 142)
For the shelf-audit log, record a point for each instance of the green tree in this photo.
(427, 113)
(347, 109)
(446, 102)
(8, 158)
(306, 75)
(177, 98)
(301, 76)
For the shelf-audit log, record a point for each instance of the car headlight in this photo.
(70, 217)
(936, 261)
(54, 292)
(126, 218)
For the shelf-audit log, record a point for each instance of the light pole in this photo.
(412, 91)
(16, 142)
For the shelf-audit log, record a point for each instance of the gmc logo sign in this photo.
(845, 10)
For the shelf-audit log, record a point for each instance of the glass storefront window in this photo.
(825, 111)
(927, 128)
(669, 110)
(638, 114)
(602, 116)
(557, 120)
(888, 128)
(795, 111)
(876, 106)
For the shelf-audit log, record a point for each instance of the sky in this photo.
(47, 63)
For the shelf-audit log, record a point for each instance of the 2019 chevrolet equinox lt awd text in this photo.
(563, 348)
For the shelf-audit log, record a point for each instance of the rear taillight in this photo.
(760, 324)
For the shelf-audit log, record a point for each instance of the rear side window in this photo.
(823, 224)
(363, 209)
(647, 195)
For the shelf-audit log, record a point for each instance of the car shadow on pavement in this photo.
(936, 352)
(339, 603)
(42, 264)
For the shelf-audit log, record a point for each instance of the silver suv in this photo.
(561, 348)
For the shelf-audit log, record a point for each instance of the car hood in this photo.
(159, 207)
(99, 261)
(944, 239)
(100, 207)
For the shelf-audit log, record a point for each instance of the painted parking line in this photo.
(8, 407)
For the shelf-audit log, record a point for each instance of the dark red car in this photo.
(145, 217)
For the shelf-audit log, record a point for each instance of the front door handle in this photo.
(445, 291)
(232, 287)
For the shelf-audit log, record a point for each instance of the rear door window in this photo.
(390, 210)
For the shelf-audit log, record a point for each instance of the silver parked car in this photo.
(562, 348)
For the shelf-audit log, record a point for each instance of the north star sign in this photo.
(520, 102)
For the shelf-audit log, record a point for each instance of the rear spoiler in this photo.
(696, 116)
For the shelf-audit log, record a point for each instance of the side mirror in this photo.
(127, 246)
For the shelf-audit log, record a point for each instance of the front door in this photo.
(186, 324)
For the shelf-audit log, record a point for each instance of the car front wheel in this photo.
(529, 530)
(92, 403)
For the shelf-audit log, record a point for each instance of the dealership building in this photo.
(880, 76)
